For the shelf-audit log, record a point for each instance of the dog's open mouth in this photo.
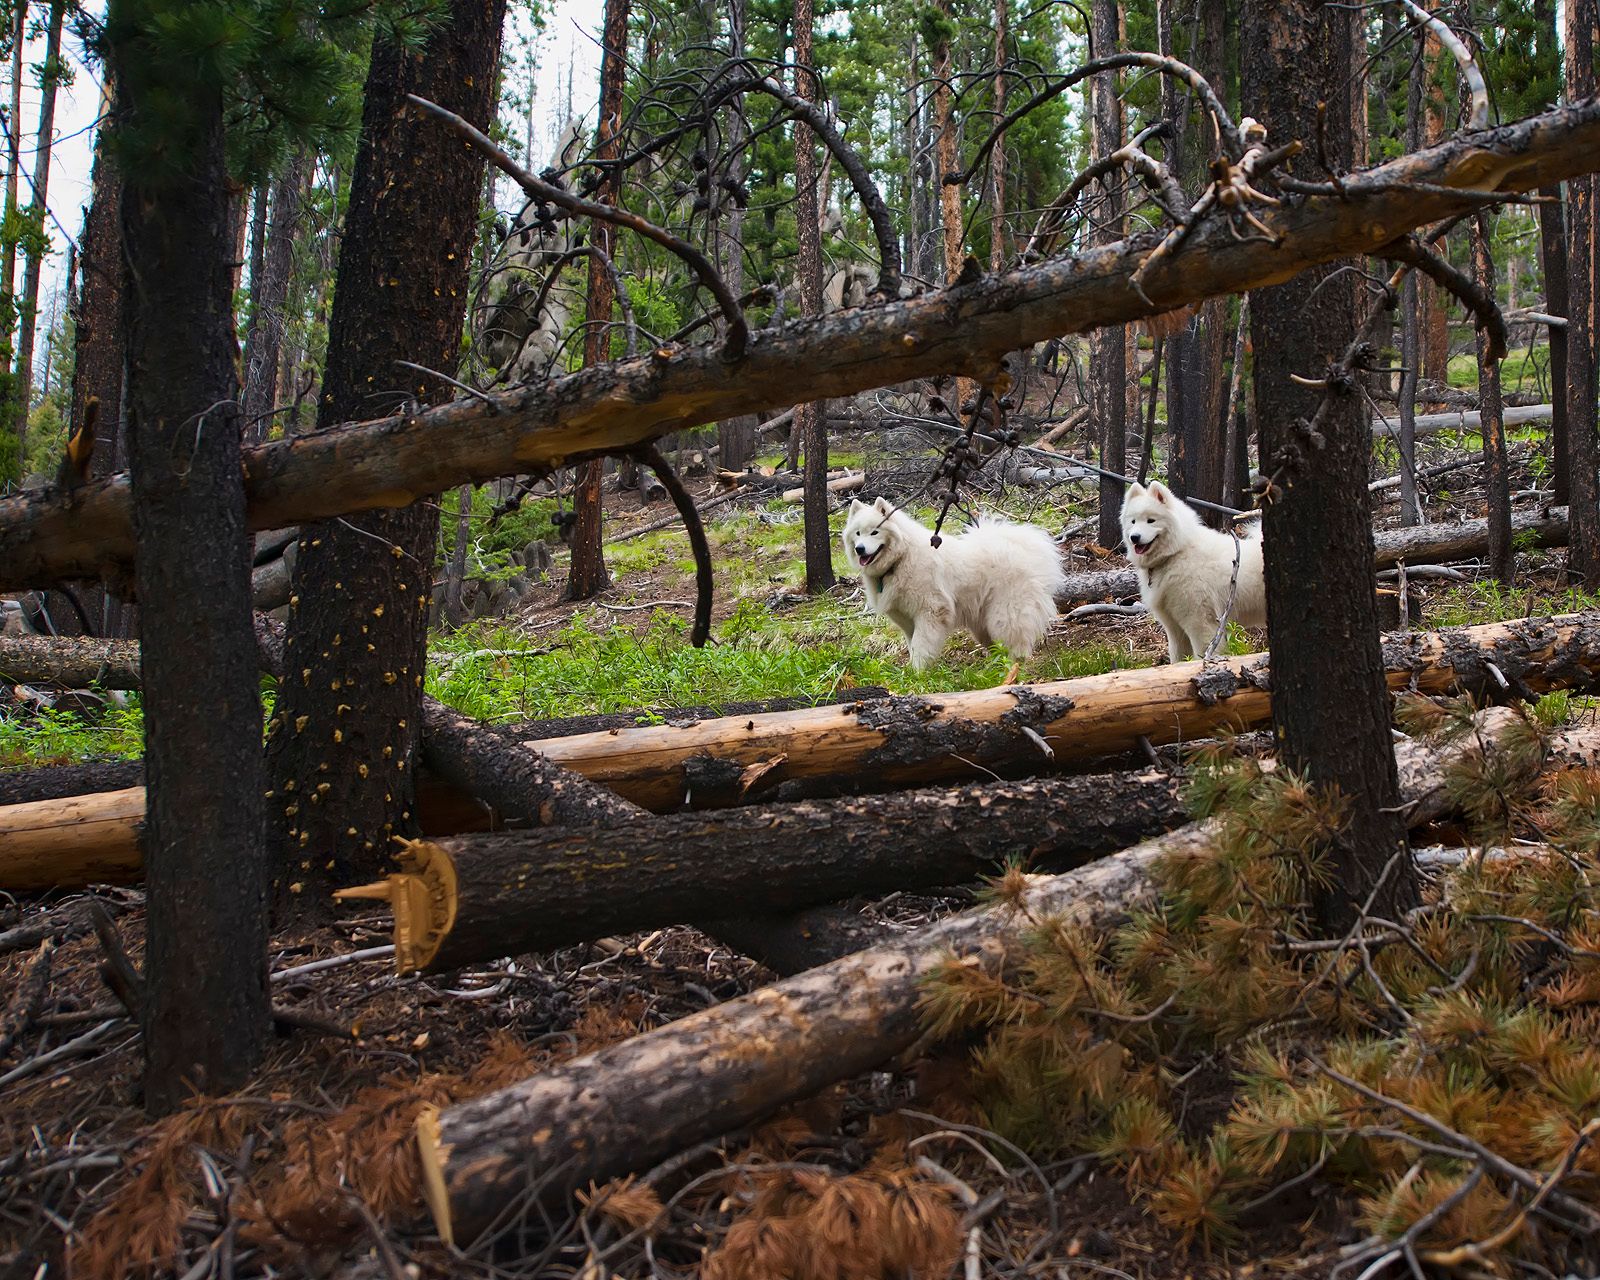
(868, 557)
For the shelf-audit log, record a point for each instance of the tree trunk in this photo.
(269, 293)
(1108, 347)
(1496, 477)
(736, 437)
(1553, 268)
(468, 899)
(456, 571)
(997, 157)
(44, 144)
(1330, 710)
(100, 337)
(8, 270)
(586, 576)
(342, 745)
(1583, 549)
(811, 419)
(627, 1107)
(1411, 301)
(388, 461)
(205, 1013)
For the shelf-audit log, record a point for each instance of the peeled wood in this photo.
(630, 1106)
(963, 330)
(839, 484)
(463, 900)
(1431, 543)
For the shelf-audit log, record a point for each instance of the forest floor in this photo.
(308, 1170)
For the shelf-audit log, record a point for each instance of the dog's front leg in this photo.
(1175, 638)
(926, 642)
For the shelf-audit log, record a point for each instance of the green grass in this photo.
(1475, 603)
(814, 650)
(50, 737)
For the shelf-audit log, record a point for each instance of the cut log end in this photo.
(432, 1155)
(423, 896)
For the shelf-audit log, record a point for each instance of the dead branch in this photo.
(963, 330)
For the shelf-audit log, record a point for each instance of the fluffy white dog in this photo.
(998, 579)
(1185, 569)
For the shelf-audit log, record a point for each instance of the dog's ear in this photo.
(1136, 490)
(882, 506)
(855, 505)
(1161, 492)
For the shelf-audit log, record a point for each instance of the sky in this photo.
(566, 62)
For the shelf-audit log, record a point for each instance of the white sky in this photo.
(568, 53)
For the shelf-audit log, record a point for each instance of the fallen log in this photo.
(1076, 418)
(904, 741)
(77, 662)
(54, 782)
(1429, 424)
(632, 1105)
(846, 483)
(964, 330)
(1433, 543)
(463, 900)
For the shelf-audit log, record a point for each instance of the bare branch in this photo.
(1478, 117)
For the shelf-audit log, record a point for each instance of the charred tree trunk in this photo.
(811, 419)
(1411, 299)
(269, 293)
(1108, 347)
(8, 271)
(736, 437)
(586, 575)
(100, 337)
(997, 158)
(205, 1014)
(1330, 708)
(1553, 268)
(467, 899)
(1496, 476)
(1583, 545)
(343, 742)
(28, 309)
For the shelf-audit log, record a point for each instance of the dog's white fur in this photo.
(1185, 569)
(997, 579)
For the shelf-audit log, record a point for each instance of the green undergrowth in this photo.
(815, 650)
(49, 737)
(1476, 603)
(1232, 1065)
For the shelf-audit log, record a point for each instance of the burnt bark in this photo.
(586, 575)
(1330, 710)
(269, 293)
(1496, 473)
(379, 463)
(511, 893)
(342, 745)
(1553, 269)
(1583, 548)
(205, 1013)
(736, 436)
(630, 1106)
(811, 419)
(1108, 346)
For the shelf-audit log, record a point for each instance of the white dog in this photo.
(998, 580)
(1186, 569)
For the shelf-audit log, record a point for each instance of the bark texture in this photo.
(269, 293)
(1330, 710)
(205, 1014)
(811, 419)
(343, 742)
(630, 1106)
(586, 574)
(468, 899)
(1108, 346)
(1583, 547)
(389, 462)
(1496, 474)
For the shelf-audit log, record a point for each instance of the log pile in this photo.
(627, 1107)
(895, 742)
